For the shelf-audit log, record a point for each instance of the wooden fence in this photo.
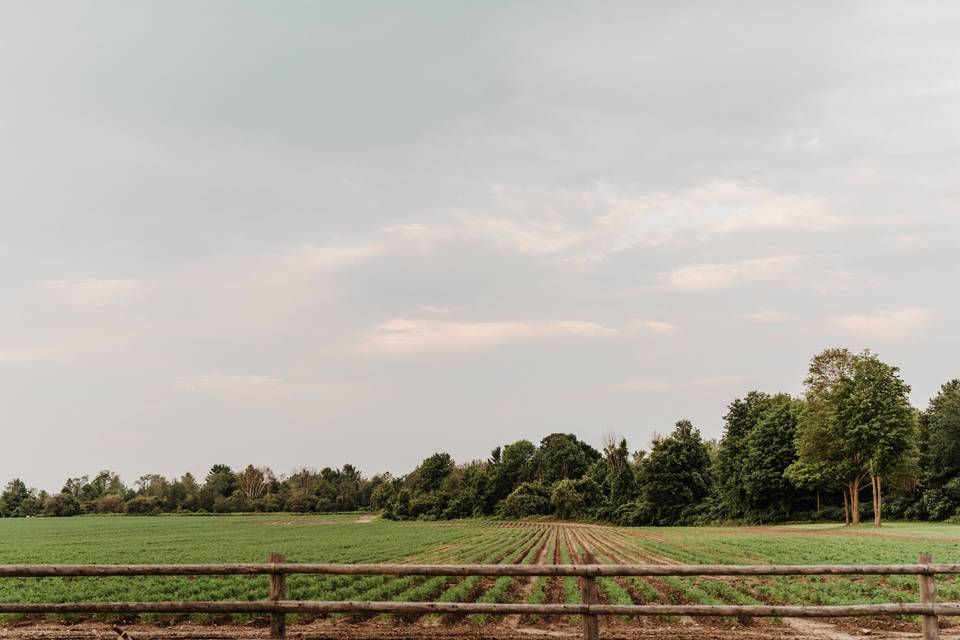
(277, 606)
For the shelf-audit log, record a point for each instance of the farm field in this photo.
(349, 539)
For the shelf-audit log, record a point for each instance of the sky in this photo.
(315, 233)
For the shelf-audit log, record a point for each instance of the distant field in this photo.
(346, 539)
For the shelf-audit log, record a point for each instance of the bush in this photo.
(111, 503)
(528, 499)
(937, 505)
(61, 505)
(637, 513)
(270, 503)
(301, 502)
(143, 505)
(425, 506)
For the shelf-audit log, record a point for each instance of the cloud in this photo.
(657, 326)
(532, 237)
(96, 292)
(740, 207)
(721, 275)
(584, 226)
(765, 315)
(308, 260)
(403, 335)
(673, 384)
(218, 382)
(441, 310)
(328, 256)
(58, 350)
(884, 325)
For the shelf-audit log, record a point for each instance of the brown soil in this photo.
(520, 589)
(387, 630)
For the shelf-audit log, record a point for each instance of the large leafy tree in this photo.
(14, 498)
(220, 480)
(741, 418)
(876, 421)
(620, 479)
(857, 425)
(677, 473)
(562, 455)
(823, 459)
(770, 450)
(941, 434)
(432, 471)
(510, 467)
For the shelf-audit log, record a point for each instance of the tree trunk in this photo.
(818, 501)
(877, 501)
(855, 501)
(846, 507)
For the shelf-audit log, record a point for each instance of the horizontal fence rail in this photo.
(350, 606)
(278, 606)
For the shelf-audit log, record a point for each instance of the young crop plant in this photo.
(539, 590)
(500, 591)
(498, 548)
(571, 589)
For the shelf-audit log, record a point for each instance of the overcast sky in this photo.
(309, 233)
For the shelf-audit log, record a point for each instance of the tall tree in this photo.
(820, 443)
(562, 455)
(857, 423)
(620, 478)
(741, 418)
(941, 429)
(770, 451)
(875, 417)
(14, 499)
(253, 481)
(432, 471)
(676, 473)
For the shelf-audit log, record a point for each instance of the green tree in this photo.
(820, 444)
(562, 455)
(676, 474)
(511, 466)
(61, 505)
(220, 481)
(743, 415)
(940, 459)
(874, 414)
(15, 499)
(432, 472)
(528, 499)
(770, 450)
(857, 424)
(621, 481)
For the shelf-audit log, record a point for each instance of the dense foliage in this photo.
(779, 458)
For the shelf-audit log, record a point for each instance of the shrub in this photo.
(528, 499)
(110, 503)
(143, 505)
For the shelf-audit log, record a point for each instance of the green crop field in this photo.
(349, 539)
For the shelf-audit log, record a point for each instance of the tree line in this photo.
(850, 436)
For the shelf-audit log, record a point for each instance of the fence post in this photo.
(589, 595)
(928, 595)
(278, 591)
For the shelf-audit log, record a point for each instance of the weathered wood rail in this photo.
(277, 606)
